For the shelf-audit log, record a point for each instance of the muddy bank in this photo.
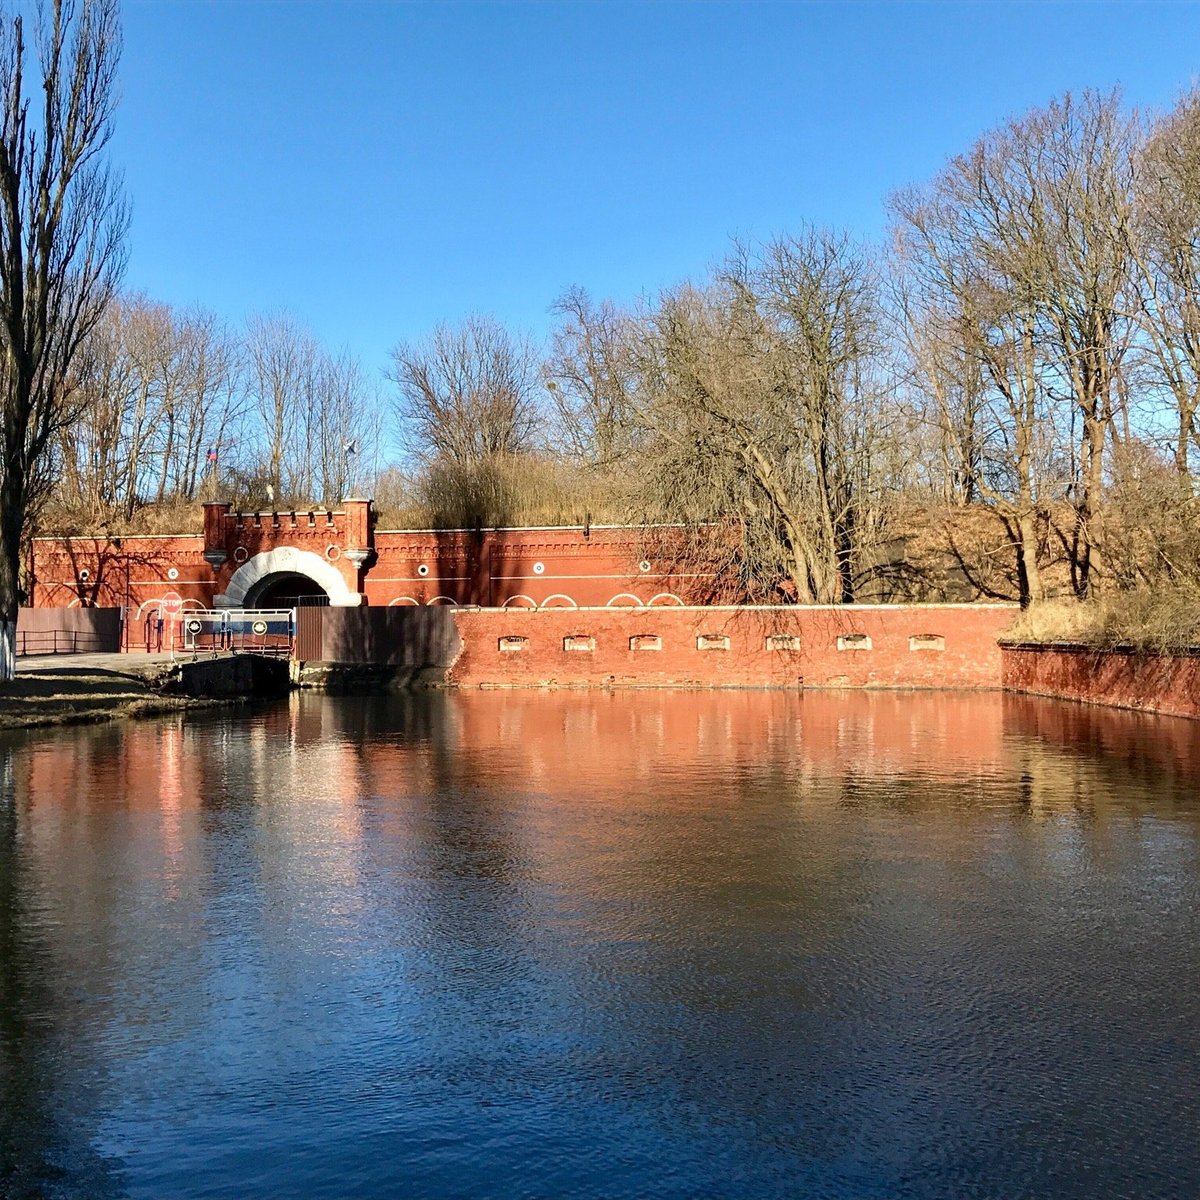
(73, 690)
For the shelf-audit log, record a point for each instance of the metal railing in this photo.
(227, 631)
(59, 641)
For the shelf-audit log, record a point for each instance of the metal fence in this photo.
(60, 641)
(222, 631)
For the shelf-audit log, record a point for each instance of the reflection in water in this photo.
(633, 944)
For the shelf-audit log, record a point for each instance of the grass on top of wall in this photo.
(1152, 621)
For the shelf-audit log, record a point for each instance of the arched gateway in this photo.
(285, 572)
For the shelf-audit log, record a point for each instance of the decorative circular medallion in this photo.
(539, 568)
(644, 566)
(423, 570)
(173, 573)
(241, 554)
(333, 553)
(84, 575)
(259, 627)
(194, 627)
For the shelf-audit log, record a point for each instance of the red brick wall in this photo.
(969, 657)
(1155, 683)
(524, 567)
(493, 567)
(122, 572)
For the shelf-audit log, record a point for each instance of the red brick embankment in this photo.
(1168, 684)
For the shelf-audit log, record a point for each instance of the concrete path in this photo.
(137, 665)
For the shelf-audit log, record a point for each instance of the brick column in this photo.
(359, 537)
(215, 512)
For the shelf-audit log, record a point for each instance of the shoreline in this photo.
(48, 694)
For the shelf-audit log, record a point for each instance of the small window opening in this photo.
(853, 641)
(927, 641)
(783, 641)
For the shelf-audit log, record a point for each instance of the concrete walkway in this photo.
(140, 666)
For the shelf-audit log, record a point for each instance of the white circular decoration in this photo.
(241, 554)
(644, 566)
(539, 568)
(422, 570)
(259, 627)
(333, 553)
(84, 575)
(173, 573)
(194, 627)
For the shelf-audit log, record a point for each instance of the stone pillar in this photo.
(215, 512)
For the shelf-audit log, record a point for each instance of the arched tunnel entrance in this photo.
(286, 589)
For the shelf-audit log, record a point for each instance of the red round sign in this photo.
(172, 604)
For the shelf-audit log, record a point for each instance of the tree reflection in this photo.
(45, 1128)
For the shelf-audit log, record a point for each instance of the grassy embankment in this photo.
(72, 695)
(1146, 621)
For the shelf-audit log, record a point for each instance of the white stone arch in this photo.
(548, 602)
(511, 602)
(404, 601)
(287, 560)
(666, 598)
(613, 603)
(443, 600)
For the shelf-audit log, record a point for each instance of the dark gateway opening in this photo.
(287, 590)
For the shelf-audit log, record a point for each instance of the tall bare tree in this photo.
(281, 362)
(759, 406)
(1016, 270)
(592, 376)
(467, 392)
(62, 226)
(1167, 250)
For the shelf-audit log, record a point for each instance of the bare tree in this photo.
(62, 225)
(343, 426)
(759, 405)
(1073, 171)
(1166, 246)
(1016, 266)
(281, 361)
(592, 376)
(467, 392)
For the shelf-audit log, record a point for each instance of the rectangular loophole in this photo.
(645, 641)
(853, 641)
(712, 641)
(927, 641)
(579, 641)
(512, 645)
(783, 641)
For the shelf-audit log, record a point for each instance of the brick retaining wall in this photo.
(1168, 684)
(838, 646)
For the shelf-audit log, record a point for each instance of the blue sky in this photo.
(377, 167)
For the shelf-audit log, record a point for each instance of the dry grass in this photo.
(1153, 621)
(71, 695)
(504, 490)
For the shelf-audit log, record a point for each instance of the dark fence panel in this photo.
(68, 631)
(310, 624)
(405, 636)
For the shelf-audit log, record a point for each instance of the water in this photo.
(593, 945)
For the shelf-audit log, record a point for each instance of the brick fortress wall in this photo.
(505, 567)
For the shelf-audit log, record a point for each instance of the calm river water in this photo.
(590, 945)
